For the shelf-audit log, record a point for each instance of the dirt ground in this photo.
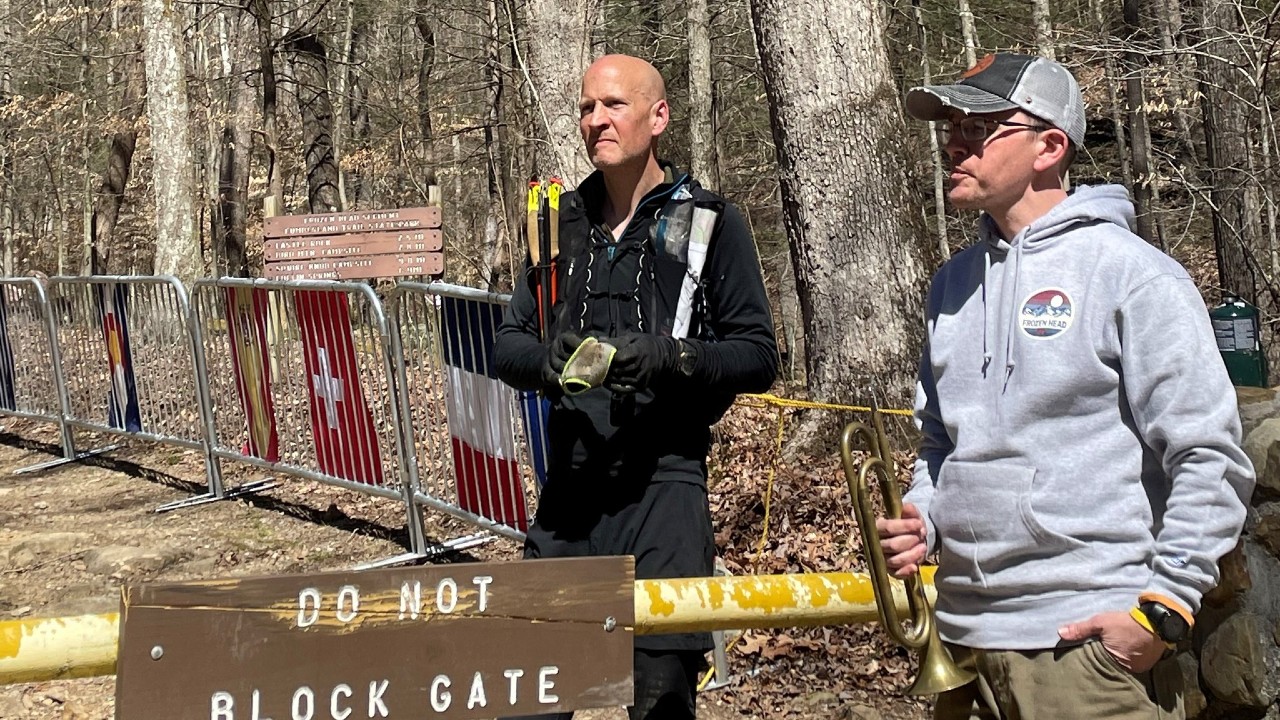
(70, 537)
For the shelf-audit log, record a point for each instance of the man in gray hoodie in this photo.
(1080, 470)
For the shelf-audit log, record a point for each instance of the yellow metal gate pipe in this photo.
(38, 649)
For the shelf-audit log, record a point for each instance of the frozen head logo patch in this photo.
(1046, 313)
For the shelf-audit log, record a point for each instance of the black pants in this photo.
(666, 685)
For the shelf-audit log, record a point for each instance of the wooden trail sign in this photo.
(354, 245)
(471, 640)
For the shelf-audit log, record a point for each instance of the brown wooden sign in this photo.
(282, 226)
(370, 266)
(328, 246)
(473, 640)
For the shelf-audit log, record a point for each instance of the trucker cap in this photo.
(1004, 81)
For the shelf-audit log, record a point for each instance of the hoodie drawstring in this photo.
(1014, 311)
(986, 312)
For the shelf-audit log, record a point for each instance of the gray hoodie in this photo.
(1081, 442)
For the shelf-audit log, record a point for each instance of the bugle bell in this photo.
(938, 671)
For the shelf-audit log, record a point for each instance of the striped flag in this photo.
(341, 424)
(480, 415)
(122, 397)
(8, 400)
(247, 335)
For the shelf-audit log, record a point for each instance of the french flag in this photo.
(481, 418)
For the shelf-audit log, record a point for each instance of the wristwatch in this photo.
(1167, 624)
(687, 360)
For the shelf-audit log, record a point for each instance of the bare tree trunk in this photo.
(968, 33)
(9, 190)
(1139, 131)
(424, 18)
(177, 246)
(110, 195)
(935, 152)
(1110, 77)
(311, 70)
(236, 147)
(1237, 210)
(495, 225)
(702, 145)
(89, 260)
(1044, 28)
(861, 257)
(559, 42)
(357, 107)
(274, 204)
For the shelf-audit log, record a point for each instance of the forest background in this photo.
(152, 136)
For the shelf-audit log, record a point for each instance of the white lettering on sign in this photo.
(477, 697)
(376, 690)
(482, 582)
(308, 607)
(304, 694)
(513, 675)
(336, 712)
(348, 603)
(446, 596)
(440, 699)
(448, 588)
(222, 704)
(257, 705)
(545, 685)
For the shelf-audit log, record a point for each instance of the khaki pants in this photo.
(1081, 683)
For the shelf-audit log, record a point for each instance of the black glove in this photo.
(640, 360)
(558, 353)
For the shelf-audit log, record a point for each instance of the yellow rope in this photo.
(766, 400)
(769, 400)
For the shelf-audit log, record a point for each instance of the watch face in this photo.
(1169, 625)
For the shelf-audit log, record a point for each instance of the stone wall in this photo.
(1231, 665)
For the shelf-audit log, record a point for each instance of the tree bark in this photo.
(173, 167)
(110, 195)
(702, 144)
(8, 191)
(1139, 131)
(1225, 90)
(559, 42)
(1044, 28)
(235, 149)
(861, 256)
(424, 19)
(968, 32)
(495, 224)
(274, 204)
(311, 70)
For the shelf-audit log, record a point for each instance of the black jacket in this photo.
(608, 289)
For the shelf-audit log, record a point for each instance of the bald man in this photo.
(665, 272)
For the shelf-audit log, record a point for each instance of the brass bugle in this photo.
(938, 671)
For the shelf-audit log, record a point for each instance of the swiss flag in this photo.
(346, 441)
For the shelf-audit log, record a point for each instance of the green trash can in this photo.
(1237, 327)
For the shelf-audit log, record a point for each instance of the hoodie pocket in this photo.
(987, 525)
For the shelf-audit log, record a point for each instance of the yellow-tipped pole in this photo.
(37, 649)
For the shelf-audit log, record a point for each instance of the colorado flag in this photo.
(480, 415)
(122, 396)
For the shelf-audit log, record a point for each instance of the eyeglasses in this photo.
(977, 129)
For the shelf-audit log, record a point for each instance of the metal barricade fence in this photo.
(300, 382)
(30, 374)
(469, 449)
(128, 360)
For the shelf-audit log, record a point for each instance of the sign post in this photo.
(470, 640)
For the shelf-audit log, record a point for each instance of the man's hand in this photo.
(558, 353)
(904, 542)
(641, 359)
(1136, 648)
